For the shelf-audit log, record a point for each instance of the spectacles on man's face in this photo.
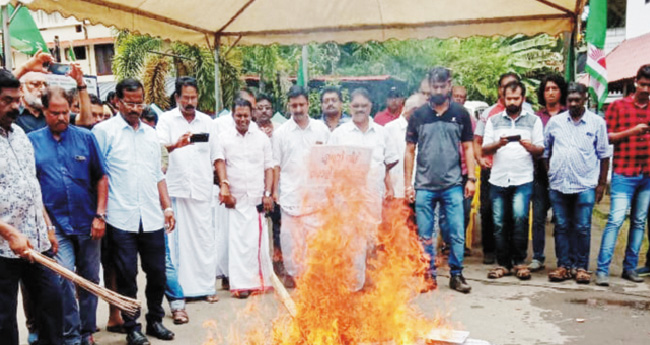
(133, 105)
(37, 84)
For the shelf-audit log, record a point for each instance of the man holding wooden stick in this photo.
(70, 170)
(23, 225)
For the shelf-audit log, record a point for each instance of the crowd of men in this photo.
(188, 194)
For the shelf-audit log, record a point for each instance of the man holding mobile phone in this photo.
(188, 135)
(514, 137)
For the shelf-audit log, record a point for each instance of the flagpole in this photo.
(6, 39)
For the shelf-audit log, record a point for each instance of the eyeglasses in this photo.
(37, 84)
(134, 105)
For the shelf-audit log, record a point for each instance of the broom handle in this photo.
(285, 298)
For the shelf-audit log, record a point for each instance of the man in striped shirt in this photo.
(577, 149)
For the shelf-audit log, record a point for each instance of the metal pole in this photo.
(305, 61)
(218, 101)
(6, 39)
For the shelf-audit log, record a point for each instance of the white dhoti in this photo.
(294, 233)
(220, 224)
(193, 246)
(249, 262)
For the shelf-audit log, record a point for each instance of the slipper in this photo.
(180, 316)
(212, 299)
(116, 329)
(522, 272)
(498, 272)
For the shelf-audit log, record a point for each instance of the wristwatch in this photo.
(101, 216)
(267, 193)
(473, 179)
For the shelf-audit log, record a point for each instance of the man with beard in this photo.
(552, 95)
(136, 222)
(578, 152)
(331, 104)
(245, 168)
(265, 114)
(514, 137)
(439, 130)
(362, 131)
(394, 104)
(32, 85)
(459, 94)
(627, 124)
(189, 181)
(292, 143)
(76, 204)
(24, 225)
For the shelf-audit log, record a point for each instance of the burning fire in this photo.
(328, 310)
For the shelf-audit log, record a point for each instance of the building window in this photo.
(104, 58)
(79, 53)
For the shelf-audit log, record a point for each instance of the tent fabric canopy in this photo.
(249, 22)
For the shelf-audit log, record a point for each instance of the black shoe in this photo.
(137, 338)
(159, 331)
(632, 276)
(225, 283)
(459, 284)
(489, 258)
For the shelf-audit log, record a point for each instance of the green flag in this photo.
(596, 67)
(25, 36)
(301, 76)
(71, 56)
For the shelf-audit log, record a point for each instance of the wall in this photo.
(637, 19)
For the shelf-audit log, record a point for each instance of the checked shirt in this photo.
(632, 154)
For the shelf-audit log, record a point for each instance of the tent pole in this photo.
(6, 39)
(569, 59)
(218, 101)
(305, 65)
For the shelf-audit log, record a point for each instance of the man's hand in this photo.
(390, 193)
(641, 128)
(275, 197)
(600, 192)
(527, 144)
(485, 162)
(183, 140)
(19, 244)
(170, 221)
(410, 194)
(503, 141)
(267, 201)
(97, 229)
(77, 74)
(470, 188)
(53, 241)
(226, 198)
(35, 63)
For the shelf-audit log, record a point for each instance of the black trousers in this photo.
(125, 246)
(487, 223)
(43, 287)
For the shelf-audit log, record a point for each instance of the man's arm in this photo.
(409, 159)
(268, 187)
(51, 232)
(34, 64)
(470, 187)
(99, 224)
(602, 179)
(224, 189)
(17, 241)
(85, 117)
(166, 205)
(276, 183)
(492, 148)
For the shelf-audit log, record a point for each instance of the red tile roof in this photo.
(624, 61)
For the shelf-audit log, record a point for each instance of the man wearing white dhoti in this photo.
(363, 131)
(292, 142)
(191, 140)
(245, 169)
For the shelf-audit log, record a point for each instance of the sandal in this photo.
(212, 299)
(582, 276)
(560, 274)
(498, 272)
(522, 272)
(180, 316)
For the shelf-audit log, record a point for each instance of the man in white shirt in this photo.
(245, 169)
(137, 196)
(397, 131)
(364, 132)
(190, 138)
(514, 136)
(292, 143)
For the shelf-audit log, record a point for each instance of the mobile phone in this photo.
(58, 68)
(200, 137)
(512, 138)
(260, 208)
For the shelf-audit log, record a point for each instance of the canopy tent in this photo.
(302, 21)
(212, 23)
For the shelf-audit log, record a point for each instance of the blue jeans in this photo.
(541, 205)
(626, 191)
(451, 205)
(487, 225)
(511, 240)
(78, 253)
(173, 290)
(573, 227)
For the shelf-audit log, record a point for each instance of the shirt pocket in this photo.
(79, 163)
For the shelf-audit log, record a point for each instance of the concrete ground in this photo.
(505, 311)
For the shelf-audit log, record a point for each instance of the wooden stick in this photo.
(128, 305)
(285, 298)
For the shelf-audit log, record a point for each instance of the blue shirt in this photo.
(133, 165)
(575, 150)
(68, 171)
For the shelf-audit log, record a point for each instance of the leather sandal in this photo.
(498, 272)
(212, 299)
(522, 272)
(559, 274)
(180, 316)
(582, 276)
